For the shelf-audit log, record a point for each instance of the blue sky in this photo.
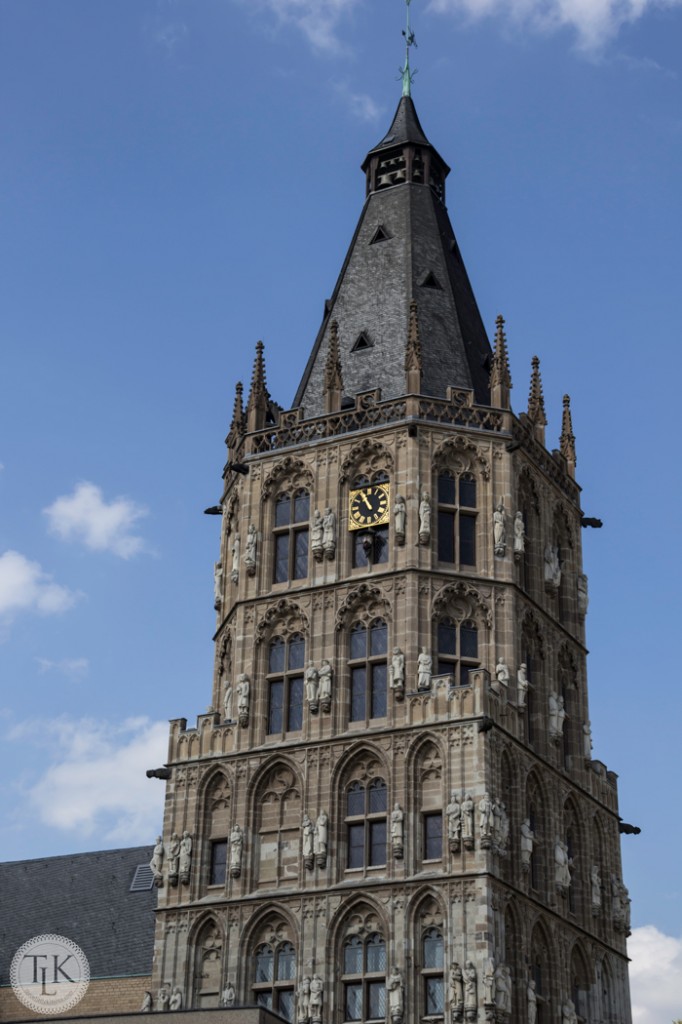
(180, 178)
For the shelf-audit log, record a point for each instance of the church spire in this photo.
(413, 353)
(333, 377)
(406, 75)
(536, 402)
(257, 405)
(567, 440)
(500, 377)
(237, 424)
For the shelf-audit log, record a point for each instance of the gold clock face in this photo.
(368, 506)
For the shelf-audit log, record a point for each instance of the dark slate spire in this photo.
(404, 250)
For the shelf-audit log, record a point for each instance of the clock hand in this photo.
(366, 500)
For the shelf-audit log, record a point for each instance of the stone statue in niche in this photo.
(620, 905)
(236, 850)
(217, 585)
(147, 1003)
(519, 535)
(500, 530)
(316, 990)
(251, 550)
(595, 888)
(227, 702)
(156, 863)
(396, 673)
(489, 982)
(557, 716)
(316, 536)
(562, 867)
(163, 998)
(185, 857)
(424, 670)
(485, 820)
(587, 741)
(470, 991)
(321, 839)
(522, 684)
(303, 1001)
(243, 698)
(583, 596)
(400, 518)
(456, 991)
(307, 842)
(312, 680)
(527, 842)
(503, 989)
(229, 995)
(425, 518)
(552, 567)
(173, 854)
(453, 813)
(329, 533)
(325, 691)
(468, 822)
(532, 1001)
(236, 553)
(396, 995)
(501, 833)
(397, 817)
(568, 1014)
(501, 677)
(176, 999)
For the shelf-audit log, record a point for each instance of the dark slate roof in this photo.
(85, 897)
(404, 128)
(377, 282)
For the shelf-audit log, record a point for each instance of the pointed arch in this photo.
(581, 980)
(287, 472)
(364, 602)
(427, 920)
(368, 457)
(206, 942)
(275, 799)
(542, 960)
(360, 787)
(271, 942)
(358, 944)
(283, 618)
(425, 760)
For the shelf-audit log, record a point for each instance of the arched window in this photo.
(292, 514)
(207, 966)
(368, 671)
(457, 646)
(277, 807)
(364, 978)
(457, 518)
(366, 809)
(274, 975)
(286, 659)
(433, 959)
(217, 818)
(539, 972)
(370, 545)
(429, 799)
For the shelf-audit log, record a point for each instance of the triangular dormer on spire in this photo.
(567, 440)
(536, 402)
(413, 353)
(257, 405)
(333, 377)
(500, 377)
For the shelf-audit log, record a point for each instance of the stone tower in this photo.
(391, 811)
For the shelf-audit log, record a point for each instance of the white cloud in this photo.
(594, 21)
(317, 19)
(24, 586)
(72, 668)
(96, 782)
(655, 976)
(361, 106)
(101, 526)
(170, 36)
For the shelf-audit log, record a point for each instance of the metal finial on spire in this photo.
(406, 75)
